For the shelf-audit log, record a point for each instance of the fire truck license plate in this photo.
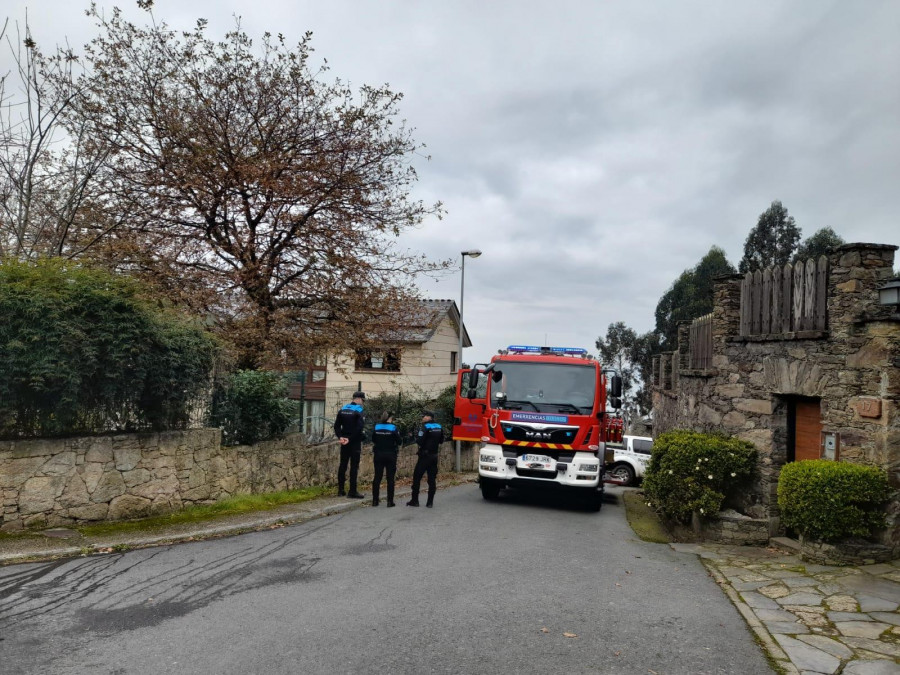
(536, 459)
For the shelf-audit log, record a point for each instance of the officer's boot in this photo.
(341, 492)
(430, 502)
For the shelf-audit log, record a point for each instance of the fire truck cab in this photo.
(540, 414)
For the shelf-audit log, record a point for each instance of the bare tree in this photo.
(46, 173)
(255, 191)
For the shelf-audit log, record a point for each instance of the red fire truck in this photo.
(541, 415)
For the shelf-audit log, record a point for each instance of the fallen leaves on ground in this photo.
(545, 630)
(570, 635)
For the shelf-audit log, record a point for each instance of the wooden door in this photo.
(808, 434)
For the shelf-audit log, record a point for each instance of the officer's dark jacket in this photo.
(386, 439)
(349, 422)
(430, 438)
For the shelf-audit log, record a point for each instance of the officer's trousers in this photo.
(384, 463)
(349, 454)
(427, 464)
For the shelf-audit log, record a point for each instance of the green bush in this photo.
(407, 408)
(81, 352)
(828, 501)
(691, 471)
(251, 406)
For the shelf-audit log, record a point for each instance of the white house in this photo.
(421, 358)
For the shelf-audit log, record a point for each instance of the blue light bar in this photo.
(534, 349)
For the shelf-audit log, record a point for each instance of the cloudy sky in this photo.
(594, 150)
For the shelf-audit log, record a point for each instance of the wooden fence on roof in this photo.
(785, 299)
(701, 342)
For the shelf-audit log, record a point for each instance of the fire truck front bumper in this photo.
(533, 468)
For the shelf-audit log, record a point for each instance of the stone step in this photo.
(785, 544)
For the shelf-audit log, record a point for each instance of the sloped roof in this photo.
(424, 321)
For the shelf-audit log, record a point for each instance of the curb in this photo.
(210, 532)
(771, 647)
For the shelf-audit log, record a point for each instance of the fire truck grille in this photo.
(562, 436)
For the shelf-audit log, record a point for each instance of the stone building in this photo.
(802, 362)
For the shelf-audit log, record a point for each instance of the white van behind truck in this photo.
(631, 458)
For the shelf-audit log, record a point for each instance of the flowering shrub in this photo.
(827, 501)
(692, 471)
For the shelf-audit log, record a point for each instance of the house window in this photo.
(452, 362)
(378, 359)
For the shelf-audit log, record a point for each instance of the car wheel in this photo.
(489, 489)
(622, 472)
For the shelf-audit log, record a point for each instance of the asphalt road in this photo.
(467, 587)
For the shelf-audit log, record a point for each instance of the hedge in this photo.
(692, 472)
(829, 501)
(251, 406)
(81, 352)
(407, 408)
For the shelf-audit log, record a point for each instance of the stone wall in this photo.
(853, 368)
(56, 482)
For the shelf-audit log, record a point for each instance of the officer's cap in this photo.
(359, 394)
(427, 413)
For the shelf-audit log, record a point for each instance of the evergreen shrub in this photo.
(828, 501)
(407, 408)
(251, 406)
(692, 471)
(81, 352)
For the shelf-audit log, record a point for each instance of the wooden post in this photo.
(777, 300)
(756, 296)
(809, 296)
(787, 281)
(746, 309)
(822, 293)
(797, 310)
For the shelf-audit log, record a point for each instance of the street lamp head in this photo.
(474, 253)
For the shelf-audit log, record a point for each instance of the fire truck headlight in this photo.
(589, 467)
(489, 459)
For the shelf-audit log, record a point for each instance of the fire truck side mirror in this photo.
(497, 375)
(615, 388)
(615, 402)
(471, 393)
(473, 381)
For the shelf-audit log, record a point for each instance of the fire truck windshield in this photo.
(545, 387)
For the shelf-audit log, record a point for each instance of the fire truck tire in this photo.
(489, 489)
(622, 472)
(594, 501)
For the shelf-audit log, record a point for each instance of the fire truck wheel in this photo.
(622, 472)
(594, 501)
(489, 489)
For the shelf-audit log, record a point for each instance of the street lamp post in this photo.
(474, 253)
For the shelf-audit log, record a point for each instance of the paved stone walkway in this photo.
(812, 618)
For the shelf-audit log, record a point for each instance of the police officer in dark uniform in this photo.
(348, 427)
(429, 441)
(386, 444)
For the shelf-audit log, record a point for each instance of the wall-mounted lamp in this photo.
(889, 294)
